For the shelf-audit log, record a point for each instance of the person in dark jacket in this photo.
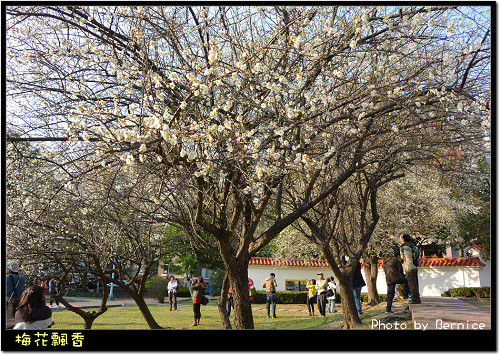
(32, 313)
(394, 275)
(14, 287)
(357, 284)
(198, 292)
(409, 267)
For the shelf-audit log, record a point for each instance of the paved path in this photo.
(448, 313)
(121, 302)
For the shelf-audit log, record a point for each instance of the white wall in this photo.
(259, 273)
(433, 281)
(485, 274)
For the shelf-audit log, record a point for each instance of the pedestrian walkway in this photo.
(447, 313)
(118, 302)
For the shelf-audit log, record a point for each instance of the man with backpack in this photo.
(15, 286)
(271, 296)
(410, 257)
(394, 275)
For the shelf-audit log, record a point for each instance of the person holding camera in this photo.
(198, 292)
(410, 267)
(311, 296)
(394, 275)
(271, 296)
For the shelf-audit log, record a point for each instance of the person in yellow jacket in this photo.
(311, 296)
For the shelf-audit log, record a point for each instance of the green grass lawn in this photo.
(288, 317)
(482, 303)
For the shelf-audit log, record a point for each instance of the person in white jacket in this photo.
(172, 286)
(32, 313)
(331, 300)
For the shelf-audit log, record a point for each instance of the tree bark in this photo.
(349, 312)
(237, 274)
(222, 304)
(137, 295)
(238, 279)
(371, 272)
(88, 317)
(146, 313)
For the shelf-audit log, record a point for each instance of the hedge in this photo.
(183, 292)
(299, 297)
(468, 292)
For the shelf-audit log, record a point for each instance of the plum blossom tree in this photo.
(99, 224)
(234, 104)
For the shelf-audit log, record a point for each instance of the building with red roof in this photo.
(436, 275)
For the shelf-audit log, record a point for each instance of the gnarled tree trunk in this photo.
(222, 304)
(237, 274)
(370, 266)
(349, 312)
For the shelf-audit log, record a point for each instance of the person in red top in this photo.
(229, 301)
(198, 292)
(250, 284)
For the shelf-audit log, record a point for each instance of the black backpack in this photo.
(415, 253)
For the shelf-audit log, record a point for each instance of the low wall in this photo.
(433, 281)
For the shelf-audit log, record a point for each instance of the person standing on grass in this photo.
(251, 289)
(53, 292)
(14, 287)
(271, 296)
(229, 301)
(357, 284)
(394, 275)
(321, 287)
(172, 287)
(311, 296)
(198, 292)
(410, 267)
(332, 285)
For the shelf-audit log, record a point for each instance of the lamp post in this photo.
(113, 273)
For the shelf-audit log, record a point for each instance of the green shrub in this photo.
(183, 291)
(364, 297)
(468, 292)
(157, 287)
(289, 297)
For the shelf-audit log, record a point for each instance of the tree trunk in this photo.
(137, 295)
(371, 272)
(237, 274)
(146, 313)
(222, 304)
(238, 279)
(88, 317)
(351, 317)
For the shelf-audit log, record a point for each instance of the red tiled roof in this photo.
(424, 262)
(289, 262)
(461, 261)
